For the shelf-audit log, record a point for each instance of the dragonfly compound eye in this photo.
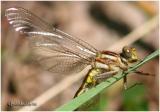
(126, 52)
(129, 54)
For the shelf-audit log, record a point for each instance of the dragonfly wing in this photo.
(54, 49)
(57, 61)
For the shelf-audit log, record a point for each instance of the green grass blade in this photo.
(78, 101)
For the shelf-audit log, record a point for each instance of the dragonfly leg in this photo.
(125, 82)
(105, 75)
(142, 73)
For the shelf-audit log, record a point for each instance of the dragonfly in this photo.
(60, 52)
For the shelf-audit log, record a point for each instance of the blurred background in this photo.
(101, 24)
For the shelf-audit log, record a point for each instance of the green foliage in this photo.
(82, 99)
(97, 103)
(103, 101)
(134, 99)
(92, 104)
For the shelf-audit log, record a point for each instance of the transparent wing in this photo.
(55, 50)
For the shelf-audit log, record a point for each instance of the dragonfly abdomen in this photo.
(89, 81)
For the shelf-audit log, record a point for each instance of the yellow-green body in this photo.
(89, 80)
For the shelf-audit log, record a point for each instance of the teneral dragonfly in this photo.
(60, 52)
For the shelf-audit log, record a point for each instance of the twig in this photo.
(135, 34)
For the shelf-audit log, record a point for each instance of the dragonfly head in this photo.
(130, 54)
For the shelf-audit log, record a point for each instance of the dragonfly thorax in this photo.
(106, 60)
(111, 61)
